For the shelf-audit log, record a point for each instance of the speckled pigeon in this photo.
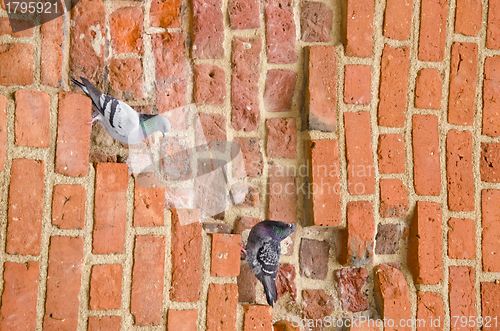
(263, 253)
(120, 120)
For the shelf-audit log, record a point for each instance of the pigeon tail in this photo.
(91, 91)
(270, 289)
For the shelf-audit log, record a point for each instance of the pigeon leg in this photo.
(95, 117)
(243, 252)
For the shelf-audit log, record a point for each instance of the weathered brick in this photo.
(315, 21)
(459, 171)
(279, 89)
(281, 137)
(489, 164)
(463, 81)
(221, 307)
(149, 203)
(126, 30)
(146, 298)
(25, 213)
(427, 167)
(360, 232)
(360, 169)
(461, 238)
(126, 78)
(244, 223)
(165, 13)
(87, 52)
(430, 310)
(391, 295)
(316, 304)
(252, 156)
(209, 84)
(391, 153)
(282, 195)
(106, 287)
(490, 304)
(493, 28)
(104, 323)
(73, 135)
(225, 261)
(285, 280)
(351, 287)
(208, 29)
(186, 260)
(432, 36)
(246, 284)
(280, 31)
(182, 320)
(245, 61)
(321, 91)
(392, 108)
(32, 124)
(325, 183)
(285, 325)
(491, 96)
(257, 318)
(52, 52)
(64, 272)
(357, 84)
(313, 258)
(3, 131)
(393, 198)
(425, 244)
(17, 64)
(359, 27)
(68, 206)
(428, 89)
(387, 238)
(490, 245)
(461, 295)
(6, 27)
(110, 208)
(244, 14)
(468, 17)
(19, 297)
(398, 19)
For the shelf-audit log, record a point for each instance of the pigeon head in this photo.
(278, 230)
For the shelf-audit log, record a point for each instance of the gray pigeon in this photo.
(263, 253)
(120, 120)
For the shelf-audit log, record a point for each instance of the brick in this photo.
(325, 181)
(281, 138)
(73, 135)
(52, 52)
(165, 13)
(186, 260)
(209, 84)
(17, 64)
(19, 297)
(468, 17)
(430, 310)
(461, 238)
(398, 19)
(104, 323)
(489, 164)
(87, 37)
(244, 223)
(208, 29)
(64, 272)
(359, 28)
(462, 295)
(463, 81)
(257, 318)
(146, 298)
(68, 206)
(360, 169)
(225, 261)
(110, 208)
(3, 131)
(393, 93)
(490, 304)
(244, 14)
(459, 171)
(365, 325)
(425, 244)
(280, 31)
(245, 62)
(428, 89)
(493, 27)
(25, 212)
(490, 245)
(321, 90)
(285, 325)
(279, 89)
(427, 166)
(32, 124)
(357, 84)
(491, 96)
(246, 284)
(393, 198)
(391, 295)
(149, 203)
(351, 287)
(432, 35)
(313, 258)
(252, 156)
(391, 153)
(315, 21)
(316, 304)
(182, 320)
(106, 287)
(387, 238)
(213, 129)
(126, 78)
(360, 232)
(282, 192)
(170, 63)
(285, 281)
(126, 30)
(221, 307)
(6, 28)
